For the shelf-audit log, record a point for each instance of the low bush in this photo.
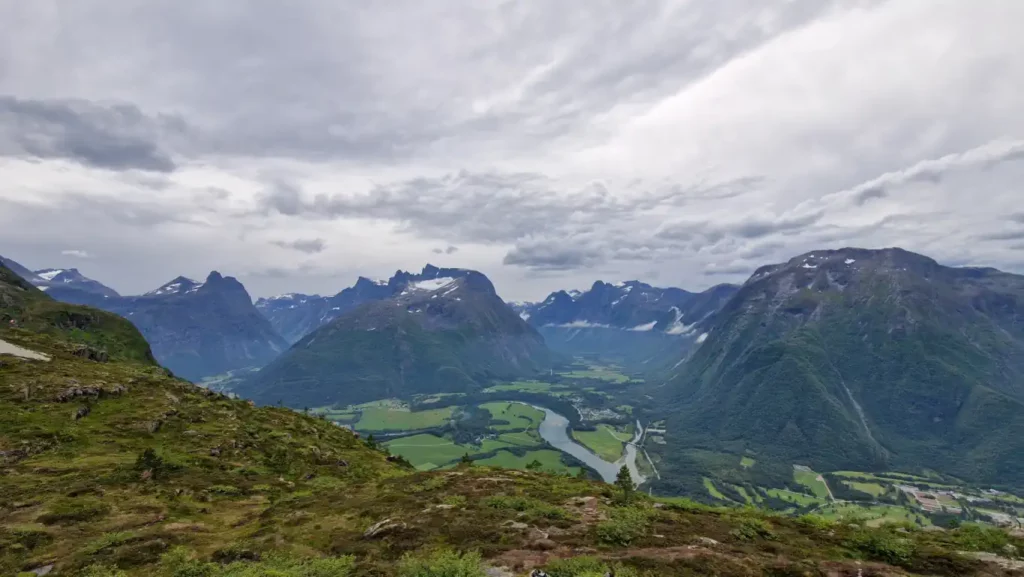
(624, 525)
(441, 563)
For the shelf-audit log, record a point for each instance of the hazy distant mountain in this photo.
(195, 329)
(443, 330)
(861, 359)
(632, 322)
(295, 315)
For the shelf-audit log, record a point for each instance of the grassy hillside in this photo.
(455, 339)
(866, 360)
(113, 468)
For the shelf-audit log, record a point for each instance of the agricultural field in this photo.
(747, 462)
(873, 489)
(603, 373)
(551, 461)
(426, 452)
(606, 442)
(713, 491)
(874, 515)
(531, 387)
(520, 417)
(401, 419)
(812, 481)
(799, 499)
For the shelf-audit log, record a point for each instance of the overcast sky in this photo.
(299, 144)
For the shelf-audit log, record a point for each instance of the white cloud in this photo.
(297, 147)
(76, 253)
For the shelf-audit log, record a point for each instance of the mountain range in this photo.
(633, 323)
(196, 329)
(442, 330)
(295, 315)
(114, 468)
(860, 359)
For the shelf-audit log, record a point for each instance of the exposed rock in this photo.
(342, 463)
(499, 572)
(44, 570)
(215, 452)
(536, 535)
(544, 545)
(384, 527)
(80, 413)
(154, 426)
(91, 354)
(708, 542)
(515, 525)
(993, 558)
(555, 531)
(76, 392)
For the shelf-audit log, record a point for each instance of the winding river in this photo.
(555, 430)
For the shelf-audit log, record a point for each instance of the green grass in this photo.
(427, 452)
(392, 419)
(606, 442)
(873, 489)
(713, 491)
(520, 417)
(551, 461)
(530, 387)
(747, 462)
(796, 498)
(810, 480)
(873, 515)
(597, 372)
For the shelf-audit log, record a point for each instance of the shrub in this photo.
(74, 511)
(973, 537)
(753, 528)
(180, 562)
(441, 563)
(228, 490)
(587, 567)
(108, 540)
(100, 571)
(625, 525)
(532, 507)
(882, 545)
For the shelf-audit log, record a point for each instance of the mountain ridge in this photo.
(442, 330)
(862, 359)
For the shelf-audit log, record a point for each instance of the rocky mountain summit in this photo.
(441, 330)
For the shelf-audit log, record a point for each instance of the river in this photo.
(555, 430)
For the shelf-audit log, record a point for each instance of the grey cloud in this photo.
(115, 137)
(449, 250)
(283, 82)
(1004, 235)
(550, 256)
(310, 246)
(934, 170)
(488, 207)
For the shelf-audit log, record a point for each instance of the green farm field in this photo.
(606, 442)
(551, 461)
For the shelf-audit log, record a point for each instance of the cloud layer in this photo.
(548, 145)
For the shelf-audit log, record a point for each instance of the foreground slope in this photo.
(863, 359)
(110, 467)
(446, 330)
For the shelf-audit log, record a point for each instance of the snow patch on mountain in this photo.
(432, 284)
(49, 275)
